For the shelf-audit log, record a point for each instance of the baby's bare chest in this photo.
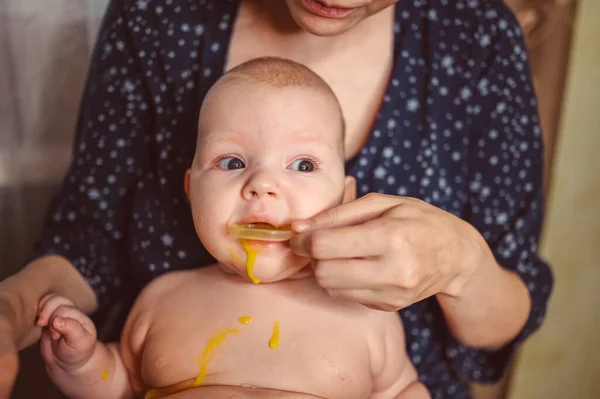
(261, 338)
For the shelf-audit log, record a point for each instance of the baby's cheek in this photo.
(315, 203)
(232, 260)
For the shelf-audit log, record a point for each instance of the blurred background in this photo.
(44, 52)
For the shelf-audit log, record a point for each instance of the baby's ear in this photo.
(186, 183)
(349, 189)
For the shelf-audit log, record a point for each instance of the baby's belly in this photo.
(284, 338)
(231, 392)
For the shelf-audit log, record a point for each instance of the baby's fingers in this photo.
(46, 349)
(73, 336)
(71, 344)
(47, 305)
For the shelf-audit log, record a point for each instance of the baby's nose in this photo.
(262, 184)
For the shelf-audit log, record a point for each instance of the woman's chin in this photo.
(321, 26)
(318, 27)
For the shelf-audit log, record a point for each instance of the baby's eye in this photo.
(302, 165)
(230, 163)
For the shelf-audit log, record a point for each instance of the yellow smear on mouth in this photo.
(209, 351)
(245, 319)
(250, 260)
(274, 341)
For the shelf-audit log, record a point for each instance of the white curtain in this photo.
(45, 47)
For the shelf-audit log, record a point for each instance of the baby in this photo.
(270, 151)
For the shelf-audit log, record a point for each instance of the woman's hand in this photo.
(388, 252)
(11, 338)
(9, 359)
(19, 298)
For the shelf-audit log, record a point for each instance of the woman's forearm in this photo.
(20, 294)
(491, 309)
(102, 376)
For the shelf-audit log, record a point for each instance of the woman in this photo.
(439, 106)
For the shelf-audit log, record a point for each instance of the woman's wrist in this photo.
(489, 304)
(17, 317)
(55, 274)
(472, 259)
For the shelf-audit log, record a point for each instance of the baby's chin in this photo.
(270, 269)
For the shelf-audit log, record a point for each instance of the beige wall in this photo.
(562, 361)
(44, 51)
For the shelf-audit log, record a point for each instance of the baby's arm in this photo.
(77, 363)
(136, 327)
(394, 376)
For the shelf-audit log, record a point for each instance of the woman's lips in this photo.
(322, 10)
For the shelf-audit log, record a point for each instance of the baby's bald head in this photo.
(278, 73)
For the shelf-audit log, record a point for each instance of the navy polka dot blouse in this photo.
(458, 128)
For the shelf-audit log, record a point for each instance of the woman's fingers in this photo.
(348, 274)
(365, 208)
(363, 240)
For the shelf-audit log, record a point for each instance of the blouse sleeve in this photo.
(86, 221)
(506, 202)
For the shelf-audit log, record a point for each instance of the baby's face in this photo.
(265, 154)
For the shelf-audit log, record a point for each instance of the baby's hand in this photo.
(69, 336)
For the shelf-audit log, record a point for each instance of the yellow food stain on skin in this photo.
(104, 375)
(209, 351)
(245, 319)
(274, 341)
(250, 260)
(233, 255)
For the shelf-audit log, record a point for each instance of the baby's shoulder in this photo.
(172, 283)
